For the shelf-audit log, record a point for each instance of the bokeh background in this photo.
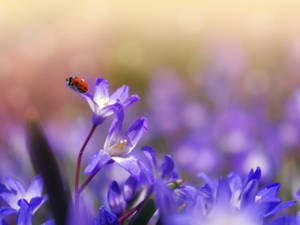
(219, 80)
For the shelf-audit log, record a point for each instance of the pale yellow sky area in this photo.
(255, 16)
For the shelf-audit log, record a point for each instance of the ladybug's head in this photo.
(69, 80)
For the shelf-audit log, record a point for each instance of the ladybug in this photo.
(78, 84)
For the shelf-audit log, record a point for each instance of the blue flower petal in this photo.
(268, 192)
(207, 179)
(281, 207)
(167, 168)
(34, 202)
(136, 130)
(235, 182)
(129, 188)
(101, 90)
(100, 115)
(253, 175)
(132, 99)
(115, 198)
(97, 162)
(263, 209)
(107, 218)
(285, 220)
(15, 185)
(121, 94)
(205, 199)
(90, 100)
(36, 187)
(7, 210)
(3, 188)
(186, 193)
(130, 164)
(150, 153)
(115, 129)
(147, 172)
(164, 198)
(249, 193)
(24, 214)
(223, 191)
(10, 198)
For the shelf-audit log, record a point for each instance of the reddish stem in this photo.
(79, 162)
(87, 181)
(131, 211)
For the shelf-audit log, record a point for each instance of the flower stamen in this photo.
(119, 147)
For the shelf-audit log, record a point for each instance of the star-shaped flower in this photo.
(24, 203)
(118, 145)
(102, 103)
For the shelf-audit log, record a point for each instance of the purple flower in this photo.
(232, 199)
(235, 129)
(24, 203)
(247, 195)
(197, 153)
(152, 171)
(102, 104)
(162, 179)
(118, 145)
(106, 218)
(287, 220)
(117, 198)
(166, 96)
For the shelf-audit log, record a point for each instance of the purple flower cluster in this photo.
(231, 199)
(218, 124)
(152, 191)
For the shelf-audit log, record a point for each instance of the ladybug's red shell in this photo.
(78, 83)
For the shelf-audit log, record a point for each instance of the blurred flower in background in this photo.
(219, 83)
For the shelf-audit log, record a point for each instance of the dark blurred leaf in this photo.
(144, 214)
(45, 164)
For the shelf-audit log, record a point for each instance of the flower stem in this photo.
(79, 162)
(87, 181)
(134, 209)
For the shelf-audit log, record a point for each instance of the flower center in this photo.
(104, 102)
(257, 198)
(119, 147)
